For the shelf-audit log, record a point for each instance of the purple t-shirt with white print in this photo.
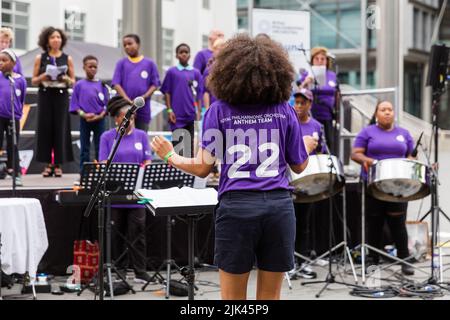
(381, 144)
(134, 148)
(255, 145)
(20, 88)
(181, 83)
(136, 79)
(201, 60)
(89, 96)
(325, 97)
(314, 129)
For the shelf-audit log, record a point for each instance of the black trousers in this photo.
(131, 224)
(394, 214)
(186, 137)
(53, 127)
(304, 241)
(6, 126)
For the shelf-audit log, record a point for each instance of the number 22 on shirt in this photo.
(246, 154)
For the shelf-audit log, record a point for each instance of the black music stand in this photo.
(191, 212)
(163, 176)
(121, 179)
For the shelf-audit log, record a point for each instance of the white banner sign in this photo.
(290, 28)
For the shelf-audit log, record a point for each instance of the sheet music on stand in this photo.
(123, 177)
(170, 191)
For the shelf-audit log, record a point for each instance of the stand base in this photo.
(331, 279)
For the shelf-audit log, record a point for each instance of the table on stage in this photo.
(23, 236)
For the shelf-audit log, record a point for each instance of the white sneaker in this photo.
(306, 267)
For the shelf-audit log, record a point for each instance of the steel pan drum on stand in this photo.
(313, 184)
(399, 180)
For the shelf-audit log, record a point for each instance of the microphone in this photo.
(415, 151)
(138, 103)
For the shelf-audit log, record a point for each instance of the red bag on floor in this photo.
(85, 259)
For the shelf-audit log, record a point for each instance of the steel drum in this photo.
(313, 184)
(399, 180)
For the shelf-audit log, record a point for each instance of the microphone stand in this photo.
(14, 137)
(100, 194)
(435, 210)
(331, 278)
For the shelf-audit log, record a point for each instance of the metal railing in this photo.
(345, 134)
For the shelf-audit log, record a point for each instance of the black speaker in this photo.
(438, 66)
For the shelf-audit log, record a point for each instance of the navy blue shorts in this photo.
(255, 227)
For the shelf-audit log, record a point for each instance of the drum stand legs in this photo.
(331, 278)
(365, 246)
(344, 243)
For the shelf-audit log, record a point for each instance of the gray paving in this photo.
(208, 285)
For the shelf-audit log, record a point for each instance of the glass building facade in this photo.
(336, 24)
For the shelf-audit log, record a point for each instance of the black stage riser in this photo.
(63, 227)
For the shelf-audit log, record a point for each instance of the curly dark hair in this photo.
(45, 36)
(251, 71)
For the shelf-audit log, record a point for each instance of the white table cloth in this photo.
(23, 235)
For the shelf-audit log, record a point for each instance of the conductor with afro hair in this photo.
(255, 134)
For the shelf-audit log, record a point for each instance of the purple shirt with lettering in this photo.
(255, 145)
(20, 88)
(201, 60)
(325, 97)
(380, 144)
(314, 128)
(181, 83)
(136, 79)
(89, 96)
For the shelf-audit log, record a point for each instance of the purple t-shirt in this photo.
(314, 128)
(89, 96)
(325, 97)
(18, 67)
(134, 148)
(201, 60)
(20, 85)
(136, 79)
(181, 83)
(255, 145)
(381, 144)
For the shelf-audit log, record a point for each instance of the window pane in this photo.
(6, 5)
(20, 38)
(22, 7)
(22, 20)
(6, 18)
